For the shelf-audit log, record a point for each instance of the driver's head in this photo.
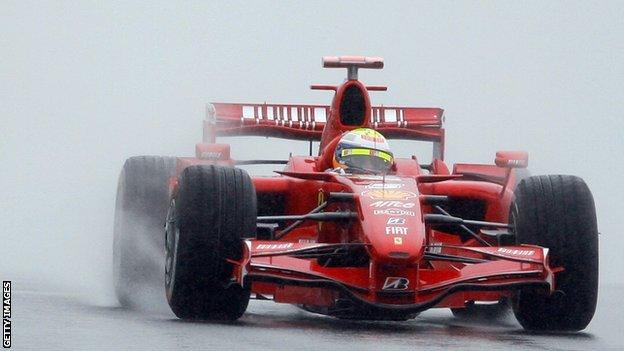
(362, 150)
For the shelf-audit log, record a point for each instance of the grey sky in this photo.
(84, 85)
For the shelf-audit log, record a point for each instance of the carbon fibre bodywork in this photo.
(373, 246)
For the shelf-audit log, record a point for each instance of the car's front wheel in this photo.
(557, 212)
(213, 209)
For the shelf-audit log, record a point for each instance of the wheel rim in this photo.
(172, 234)
(513, 219)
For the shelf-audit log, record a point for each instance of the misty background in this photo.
(84, 85)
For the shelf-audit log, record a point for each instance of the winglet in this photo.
(352, 64)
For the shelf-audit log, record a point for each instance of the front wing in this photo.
(290, 273)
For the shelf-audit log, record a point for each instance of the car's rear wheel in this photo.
(213, 209)
(140, 209)
(557, 212)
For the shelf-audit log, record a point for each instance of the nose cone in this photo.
(393, 223)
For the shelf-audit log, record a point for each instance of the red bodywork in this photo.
(396, 265)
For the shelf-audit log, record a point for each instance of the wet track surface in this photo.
(54, 321)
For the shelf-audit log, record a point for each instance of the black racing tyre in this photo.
(213, 209)
(519, 175)
(557, 212)
(140, 210)
(484, 312)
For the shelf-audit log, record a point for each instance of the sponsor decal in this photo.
(375, 177)
(395, 283)
(307, 241)
(274, 246)
(385, 194)
(395, 221)
(398, 240)
(400, 204)
(373, 138)
(516, 252)
(210, 155)
(394, 212)
(396, 230)
(384, 186)
(435, 248)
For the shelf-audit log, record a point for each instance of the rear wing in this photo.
(306, 122)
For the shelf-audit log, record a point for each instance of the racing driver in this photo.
(362, 150)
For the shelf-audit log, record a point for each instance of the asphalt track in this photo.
(44, 320)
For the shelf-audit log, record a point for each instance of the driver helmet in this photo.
(363, 150)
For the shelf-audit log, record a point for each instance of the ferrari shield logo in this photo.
(395, 283)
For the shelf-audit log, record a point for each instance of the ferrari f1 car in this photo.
(354, 243)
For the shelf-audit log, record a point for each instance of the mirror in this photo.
(512, 159)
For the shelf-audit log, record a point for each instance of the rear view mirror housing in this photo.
(512, 159)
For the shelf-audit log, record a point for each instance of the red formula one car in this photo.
(340, 236)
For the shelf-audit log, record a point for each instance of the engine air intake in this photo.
(352, 107)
